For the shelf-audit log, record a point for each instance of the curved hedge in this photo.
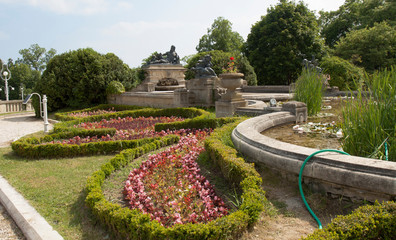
(132, 224)
(193, 113)
(377, 221)
(64, 115)
(33, 148)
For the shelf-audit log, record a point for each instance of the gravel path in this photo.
(13, 127)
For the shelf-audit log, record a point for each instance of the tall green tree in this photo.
(36, 57)
(371, 48)
(276, 44)
(221, 37)
(355, 15)
(79, 78)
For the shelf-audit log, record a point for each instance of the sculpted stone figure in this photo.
(169, 57)
(203, 68)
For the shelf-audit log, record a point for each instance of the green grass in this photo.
(55, 188)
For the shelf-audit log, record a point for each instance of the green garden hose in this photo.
(300, 180)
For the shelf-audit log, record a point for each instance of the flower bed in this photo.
(168, 186)
(91, 113)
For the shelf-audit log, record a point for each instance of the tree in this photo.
(220, 37)
(79, 78)
(355, 15)
(220, 60)
(36, 57)
(21, 76)
(276, 44)
(371, 48)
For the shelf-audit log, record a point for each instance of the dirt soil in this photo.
(288, 218)
(8, 228)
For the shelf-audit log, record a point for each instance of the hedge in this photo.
(193, 113)
(132, 224)
(64, 116)
(376, 221)
(32, 148)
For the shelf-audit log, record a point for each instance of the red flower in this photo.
(232, 58)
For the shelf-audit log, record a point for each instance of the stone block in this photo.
(228, 109)
(299, 109)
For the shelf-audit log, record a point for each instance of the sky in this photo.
(130, 29)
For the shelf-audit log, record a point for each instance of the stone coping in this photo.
(350, 176)
(32, 224)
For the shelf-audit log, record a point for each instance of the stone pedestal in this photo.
(299, 109)
(227, 109)
(232, 99)
(203, 91)
(157, 72)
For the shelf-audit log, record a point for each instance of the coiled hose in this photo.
(300, 180)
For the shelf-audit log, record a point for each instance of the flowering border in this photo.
(132, 224)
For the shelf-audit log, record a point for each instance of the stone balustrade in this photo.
(15, 106)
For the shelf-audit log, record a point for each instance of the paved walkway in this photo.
(18, 220)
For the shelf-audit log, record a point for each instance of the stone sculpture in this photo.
(170, 57)
(203, 68)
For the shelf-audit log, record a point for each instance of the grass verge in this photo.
(55, 189)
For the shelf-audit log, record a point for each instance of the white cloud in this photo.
(78, 7)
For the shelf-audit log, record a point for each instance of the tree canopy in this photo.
(371, 48)
(355, 15)
(79, 78)
(221, 37)
(276, 45)
(36, 57)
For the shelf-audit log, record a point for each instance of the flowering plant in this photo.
(231, 67)
(169, 186)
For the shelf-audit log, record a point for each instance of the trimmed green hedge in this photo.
(132, 224)
(193, 113)
(376, 221)
(64, 116)
(32, 148)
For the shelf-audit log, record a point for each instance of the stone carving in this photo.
(203, 68)
(167, 82)
(169, 57)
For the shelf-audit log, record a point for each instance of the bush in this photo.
(369, 120)
(343, 73)
(220, 60)
(115, 87)
(367, 222)
(79, 78)
(309, 89)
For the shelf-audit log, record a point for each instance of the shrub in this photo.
(367, 222)
(309, 89)
(369, 120)
(343, 73)
(79, 78)
(115, 87)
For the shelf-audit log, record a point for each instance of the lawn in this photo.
(55, 188)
